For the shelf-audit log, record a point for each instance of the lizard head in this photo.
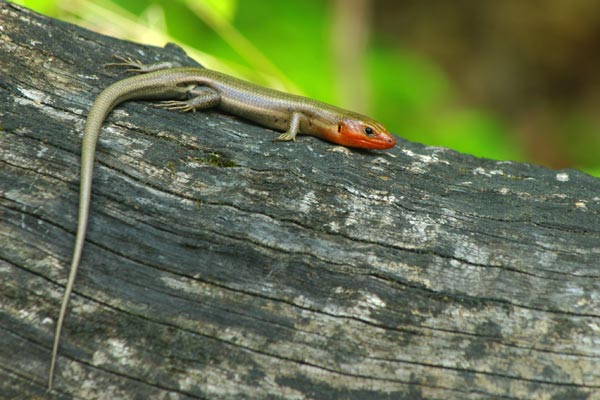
(355, 130)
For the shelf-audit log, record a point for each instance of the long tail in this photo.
(103, 104)
(158, 84)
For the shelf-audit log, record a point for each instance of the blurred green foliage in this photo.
(287, 45)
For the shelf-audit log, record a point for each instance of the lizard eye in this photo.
(369, 131)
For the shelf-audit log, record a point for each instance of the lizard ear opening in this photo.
(339, 128)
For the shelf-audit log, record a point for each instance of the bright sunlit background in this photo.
(511, 80)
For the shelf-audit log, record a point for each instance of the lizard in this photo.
(195, 88)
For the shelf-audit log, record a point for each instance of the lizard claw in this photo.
(176, 105)
(139, 67)
(285, 137)
(134, 65)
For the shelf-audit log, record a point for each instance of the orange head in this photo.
(355, 130)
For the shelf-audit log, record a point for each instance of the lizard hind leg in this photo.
(202, 98)
(136, 66)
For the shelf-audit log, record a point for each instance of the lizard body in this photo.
(192, 88)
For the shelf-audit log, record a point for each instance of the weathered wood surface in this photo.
(220, 265)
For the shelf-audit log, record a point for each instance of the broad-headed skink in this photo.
(192, 88)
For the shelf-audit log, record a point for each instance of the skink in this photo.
(190, 89)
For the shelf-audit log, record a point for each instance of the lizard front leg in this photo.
(293, 129)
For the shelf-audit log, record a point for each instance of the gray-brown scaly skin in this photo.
(266, 107)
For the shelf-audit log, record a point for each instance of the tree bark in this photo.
(221, 265)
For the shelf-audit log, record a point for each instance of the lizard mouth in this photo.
(381, 141)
